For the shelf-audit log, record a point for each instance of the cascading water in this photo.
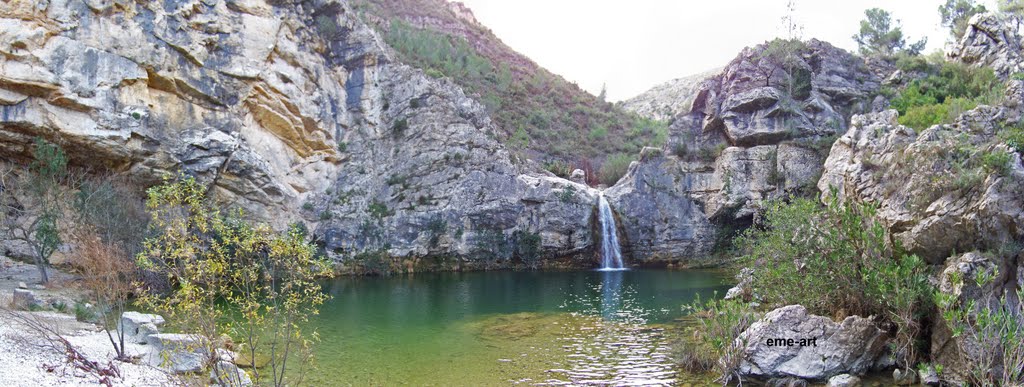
(611, 255)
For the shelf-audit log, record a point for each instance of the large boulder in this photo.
(991, 40)
(790, 342)
(177, 352)
(137, 327)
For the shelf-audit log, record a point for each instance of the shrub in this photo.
(559, 168)
(996, 162)
(993, 332)
(681, 150)
(946, 93)
(399, 127)
(567, 194)
(710, 342)
(835, 261)
(342, 146)
(527, 248)
(491, 246)
(1013, 137)
(614, 168)
(230, 277)
(378, 210)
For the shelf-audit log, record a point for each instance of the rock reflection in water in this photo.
(617, 349)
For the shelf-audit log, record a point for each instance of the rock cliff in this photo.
(991, 40)
(757, 130)
(292, 110)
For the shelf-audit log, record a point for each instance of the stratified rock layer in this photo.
(294, 111)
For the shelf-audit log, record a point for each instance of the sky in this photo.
(633, 45)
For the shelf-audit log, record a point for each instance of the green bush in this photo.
(1013, 137)
(996, 162)
(527, 248)
(835, 260)
(709, 344)
(614, 168)
(399, 127)
(992, 332)
(950, 90)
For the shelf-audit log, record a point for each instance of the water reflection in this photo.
(619, 348)
(611, 291)
(556, 328)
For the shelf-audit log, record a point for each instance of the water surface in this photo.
(501, 328)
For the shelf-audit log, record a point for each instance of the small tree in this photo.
(219, 263)
(108, 273)
(32, 203)
(109, 220)
(956, 13)
(879, 36)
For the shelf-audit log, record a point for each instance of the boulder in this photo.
(578, 176)
(904, 377)
(176, 352)
(789, 342)
(844, 380)
(137, 327)
(24, 299)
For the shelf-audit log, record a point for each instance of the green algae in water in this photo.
(501, 328)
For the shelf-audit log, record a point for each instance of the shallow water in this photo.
(501, 328)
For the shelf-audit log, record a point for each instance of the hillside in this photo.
(665, 101)
(539, 113)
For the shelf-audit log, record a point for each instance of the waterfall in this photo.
(611, 255)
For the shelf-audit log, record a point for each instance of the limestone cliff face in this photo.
(293, 110)
(929, 203)
(749, 136)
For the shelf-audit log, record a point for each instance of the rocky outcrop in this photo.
(789, 342)
(665, 101)
(295, 111)
(933, 190)
(992, 40)
(750, 136)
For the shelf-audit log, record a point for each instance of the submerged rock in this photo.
(789, 342)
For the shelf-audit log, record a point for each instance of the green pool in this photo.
(502, 328)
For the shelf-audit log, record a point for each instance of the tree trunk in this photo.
(43, 278)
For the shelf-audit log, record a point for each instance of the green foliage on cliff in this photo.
(956, 13)
(534, 109)
(949, 90)
(835, 260)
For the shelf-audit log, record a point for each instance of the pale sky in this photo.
(633, 45)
